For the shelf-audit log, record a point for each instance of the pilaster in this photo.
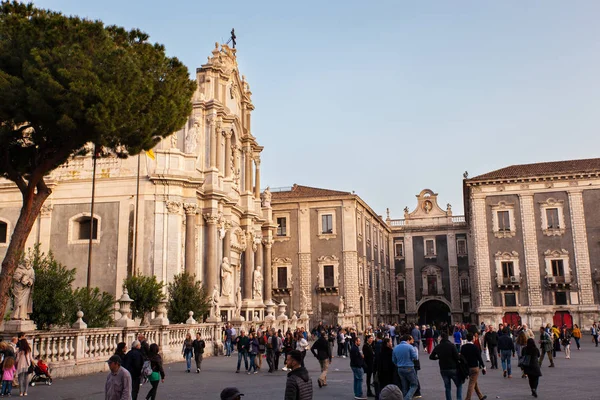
(580, 242)
(481, 278)
(45, 227)
(530, 244)
(211, 272)
(454, 282)
(190, 237)
(411, 298)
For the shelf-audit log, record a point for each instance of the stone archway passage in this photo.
(434, 312)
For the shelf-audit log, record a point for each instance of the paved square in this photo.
(576, 378)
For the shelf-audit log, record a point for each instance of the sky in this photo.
(386, 98)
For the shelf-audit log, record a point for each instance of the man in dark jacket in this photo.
(475, 362)
(134, 362)
(490, 342)
(198, 346)
(447, 354)
(322, 351)
(357, 362)
(506, 349)
(298, 385)
(243, 345)
(369, 362)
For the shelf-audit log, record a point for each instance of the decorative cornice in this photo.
(173, 207)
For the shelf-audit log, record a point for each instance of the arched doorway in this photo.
(511, 318)
(434, 312)
(563, 318)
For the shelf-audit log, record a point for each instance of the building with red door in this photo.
(535, 233)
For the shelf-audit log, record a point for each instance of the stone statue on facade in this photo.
(23, 280)
(226, 278)
(191, 139)
(342, 306)
(238, 302)
(174, 140)
(255, 316)
(215, 302)
(266, 197)
(304, 305)
(257, 292)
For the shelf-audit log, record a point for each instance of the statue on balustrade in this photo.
(342, 306)
(226, 278)
(191, 139)
(238, 302)
(215, 302)
(257, 283)
(266, 197)
(23, 280)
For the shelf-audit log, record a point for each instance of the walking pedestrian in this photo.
(121, 351)
(404, 356)
(545, 346)
(490, 342)
(198, 344)
(457, 336)
(8, 374)
(447, 355)
(340, 343)
(531, 367)
(595, 333)
(253, 352)
(24, 360)
(429, 339)
(188, 351)
(565, 341)
(357, 363)
(506, 350)
(277, 348)
(158, 373)
(475, 363)
(416, 335)
(243, 345)
(384, 367)
(322, 352)
(298, 385)
(228, 341)
(118, 381)
(576, 333)
(302, 344)
(369, 362)
(133, 363)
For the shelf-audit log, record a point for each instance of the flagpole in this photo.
(137, 205)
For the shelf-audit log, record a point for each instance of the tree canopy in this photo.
(185, 295)
(67, 81)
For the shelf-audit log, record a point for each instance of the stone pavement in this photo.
(576, 378)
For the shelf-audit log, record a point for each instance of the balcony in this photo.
(426, 292)
(558, 281)
(509, 281)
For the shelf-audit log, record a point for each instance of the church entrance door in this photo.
(433, 312)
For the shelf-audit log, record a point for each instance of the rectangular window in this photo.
(429, 247)
(552, 218)
(328, 279)
(461, 247)
(466, 307)
(282, 278)
(503, 221)
(84, 228)
(558, 268)
(370, 279)
(399, 249)
(3, 232)
(464, 286)
(432, 285)
(282, 226)
(508, 269)
(560, 298)
(401, 289)
(368, 231)
(327, 223)
(402, 306)
(376, 280)
(510, 299)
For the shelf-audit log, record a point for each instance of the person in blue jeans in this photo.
(404, 357)
(228, 342)
(357, 362)
(243, 346)
(448, 357)
(188, 351)
(506, 350)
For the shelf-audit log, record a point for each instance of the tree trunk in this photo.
(32, 204)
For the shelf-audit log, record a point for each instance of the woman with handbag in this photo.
(529, 362)
(158, 373)
(25, 364)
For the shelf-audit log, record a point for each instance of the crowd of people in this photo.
(17, 365)
(386, 355)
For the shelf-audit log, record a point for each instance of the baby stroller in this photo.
(39, 377)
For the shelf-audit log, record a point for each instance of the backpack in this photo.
(147, 369)
(462, 368)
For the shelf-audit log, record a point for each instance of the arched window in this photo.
(83, 227)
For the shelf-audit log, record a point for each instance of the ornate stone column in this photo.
(268, 283)
(190, 237)
(227, 241)
(257, 178)
(211, 272)
(530, 244)
(248, 155)
(213, 144)
(580, 243)
(248, 268)
(228, 152)
(453, 262)
(219, 150)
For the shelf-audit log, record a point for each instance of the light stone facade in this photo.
(540, 265)
(317, 266)
(199, 201)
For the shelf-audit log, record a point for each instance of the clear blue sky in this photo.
(389, 97)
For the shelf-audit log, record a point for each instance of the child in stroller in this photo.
(41, 373)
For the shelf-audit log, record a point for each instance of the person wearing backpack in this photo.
(198, 345)
(134, 363)
(448, 357)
